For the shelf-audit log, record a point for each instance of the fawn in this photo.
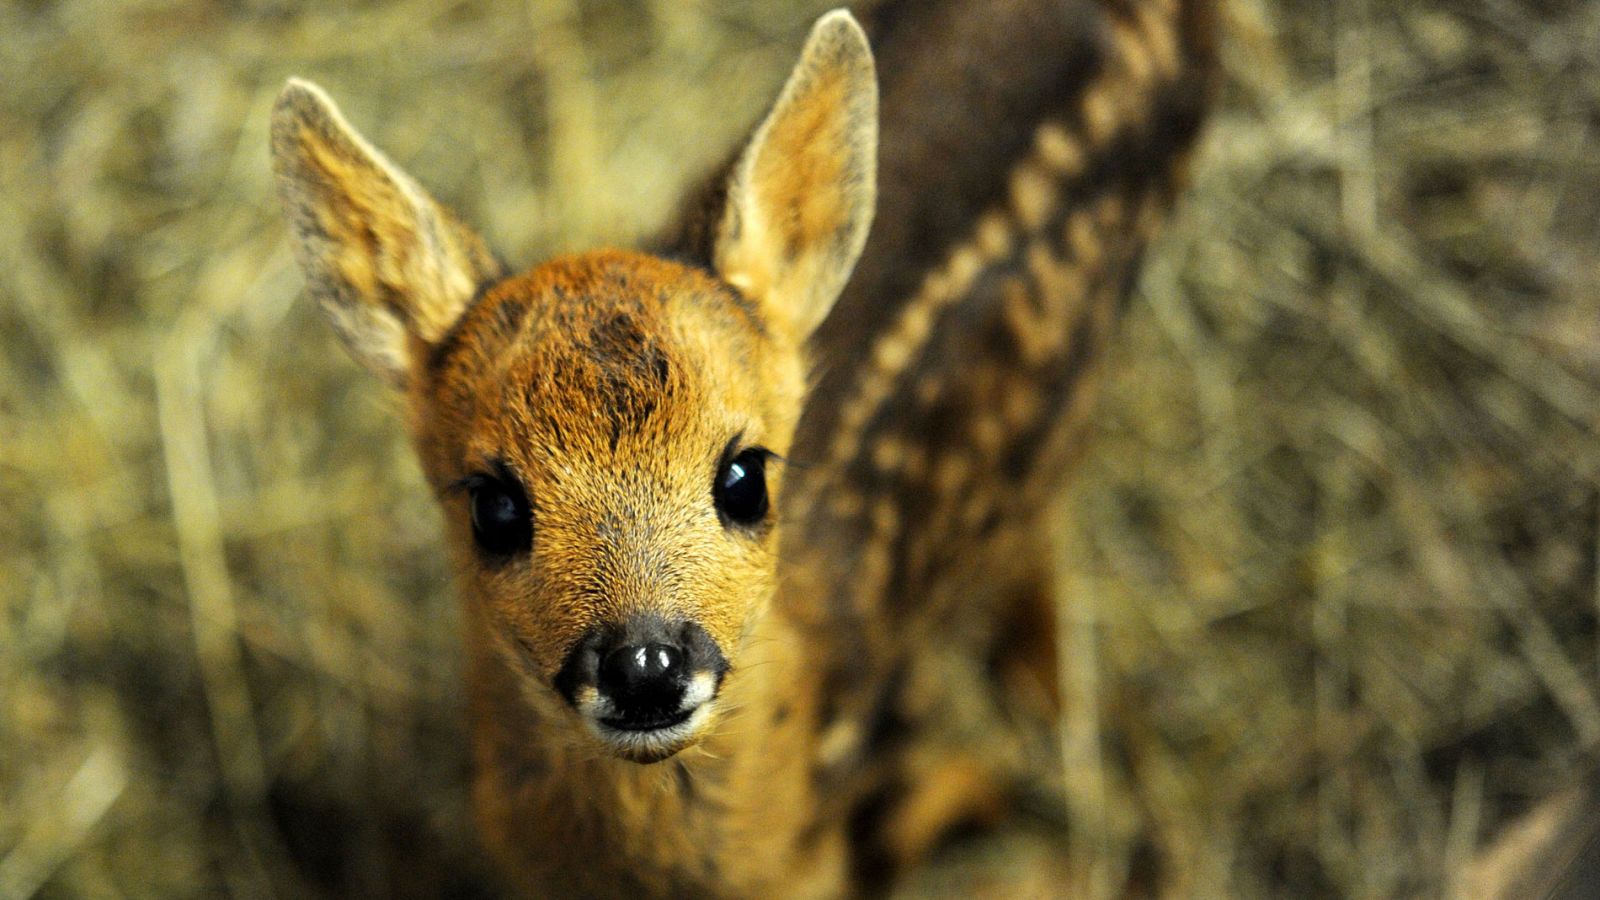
(753, 592)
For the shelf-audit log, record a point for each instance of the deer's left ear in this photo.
(801, 196)
(390, 267)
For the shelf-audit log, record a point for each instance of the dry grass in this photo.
(1330, 568)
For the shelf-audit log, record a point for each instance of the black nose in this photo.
(634, 671)
(644, 681)
(640, 670)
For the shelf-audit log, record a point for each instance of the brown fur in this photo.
(892, 675)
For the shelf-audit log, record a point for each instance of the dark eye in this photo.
(741, 488)
(501, 522)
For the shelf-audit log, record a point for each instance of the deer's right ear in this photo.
(390, 267)
(801, 197)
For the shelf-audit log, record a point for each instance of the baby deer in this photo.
(696, 667)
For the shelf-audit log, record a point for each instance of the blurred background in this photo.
(1329, 567)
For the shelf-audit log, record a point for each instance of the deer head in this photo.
(605, 431)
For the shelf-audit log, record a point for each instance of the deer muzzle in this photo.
(645, 687)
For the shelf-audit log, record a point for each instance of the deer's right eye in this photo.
(502, 524)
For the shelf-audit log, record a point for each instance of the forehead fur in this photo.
(592, 350)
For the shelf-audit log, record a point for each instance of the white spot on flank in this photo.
(1058, 151)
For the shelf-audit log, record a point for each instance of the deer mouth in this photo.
(647, 723)
(652, 740)
(648, 735)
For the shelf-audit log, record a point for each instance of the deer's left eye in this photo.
(740, 491)
(502, 524)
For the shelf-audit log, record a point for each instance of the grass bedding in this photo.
(1328, 568)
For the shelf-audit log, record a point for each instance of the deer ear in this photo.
(800, 198)
(390, 267)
